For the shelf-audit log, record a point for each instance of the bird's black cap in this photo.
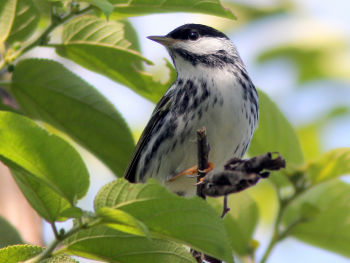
(184, 32)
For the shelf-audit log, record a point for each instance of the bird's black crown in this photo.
(194, 31)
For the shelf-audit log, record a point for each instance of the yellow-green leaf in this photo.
(107, 244)
(122, 221)
(18, 253)
(330, 165)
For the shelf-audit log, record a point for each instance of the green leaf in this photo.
(103, 243)
(104, 5)
(44, 164)
(59, 259)
(330, 165)
(8, 234)
(7, 12)
(131, 35)
(329, 225)
(190, 221)
(311, 133)
(47, 91)
(122, 221)
(18, 20)
(100, 46)
(310, 140)
(47, 202)
(141, 7)
(18, 253)
(275, 134)
(240, 221)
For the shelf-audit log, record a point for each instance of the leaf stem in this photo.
(54, 230)
(49, 250)
(275, 235)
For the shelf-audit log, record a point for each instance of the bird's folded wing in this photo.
(161, 109)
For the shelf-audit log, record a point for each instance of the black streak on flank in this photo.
(200, 113)
(165, 133)
(190, 88)
(205, 91)
(184, 104)
(215, 100)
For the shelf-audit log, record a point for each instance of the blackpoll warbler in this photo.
(212, 89)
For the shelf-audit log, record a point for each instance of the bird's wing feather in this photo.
(161, 109)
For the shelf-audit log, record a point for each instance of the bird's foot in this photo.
(192, 171)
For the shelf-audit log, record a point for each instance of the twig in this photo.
(202, 155)
(49, 250)
(226, 209)
(54, 230)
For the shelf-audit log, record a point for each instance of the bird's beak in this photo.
(163, 40)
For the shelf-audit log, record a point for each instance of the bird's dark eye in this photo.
(193, 35)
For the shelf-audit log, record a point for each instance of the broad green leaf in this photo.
(275, 134)
(310, 134)
(103, 243)
(100, 46)
(240, 221)
(47, 91)
(122, 221)
(8, 234)
(48, 167)
(310, 140)
(130, 35)
(44, 7)
(21, 18)
(327, 225)
(141, 7)
(47, 203)
(332, 164)
(7, 14)
(190, 221)
(18, 253)
(105, 6)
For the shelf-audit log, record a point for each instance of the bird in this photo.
(212, 90)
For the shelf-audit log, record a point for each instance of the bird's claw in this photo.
(192, 171)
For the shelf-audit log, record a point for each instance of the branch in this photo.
(202, 155)
(240, 174)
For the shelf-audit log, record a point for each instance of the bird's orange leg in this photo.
(191, 171)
